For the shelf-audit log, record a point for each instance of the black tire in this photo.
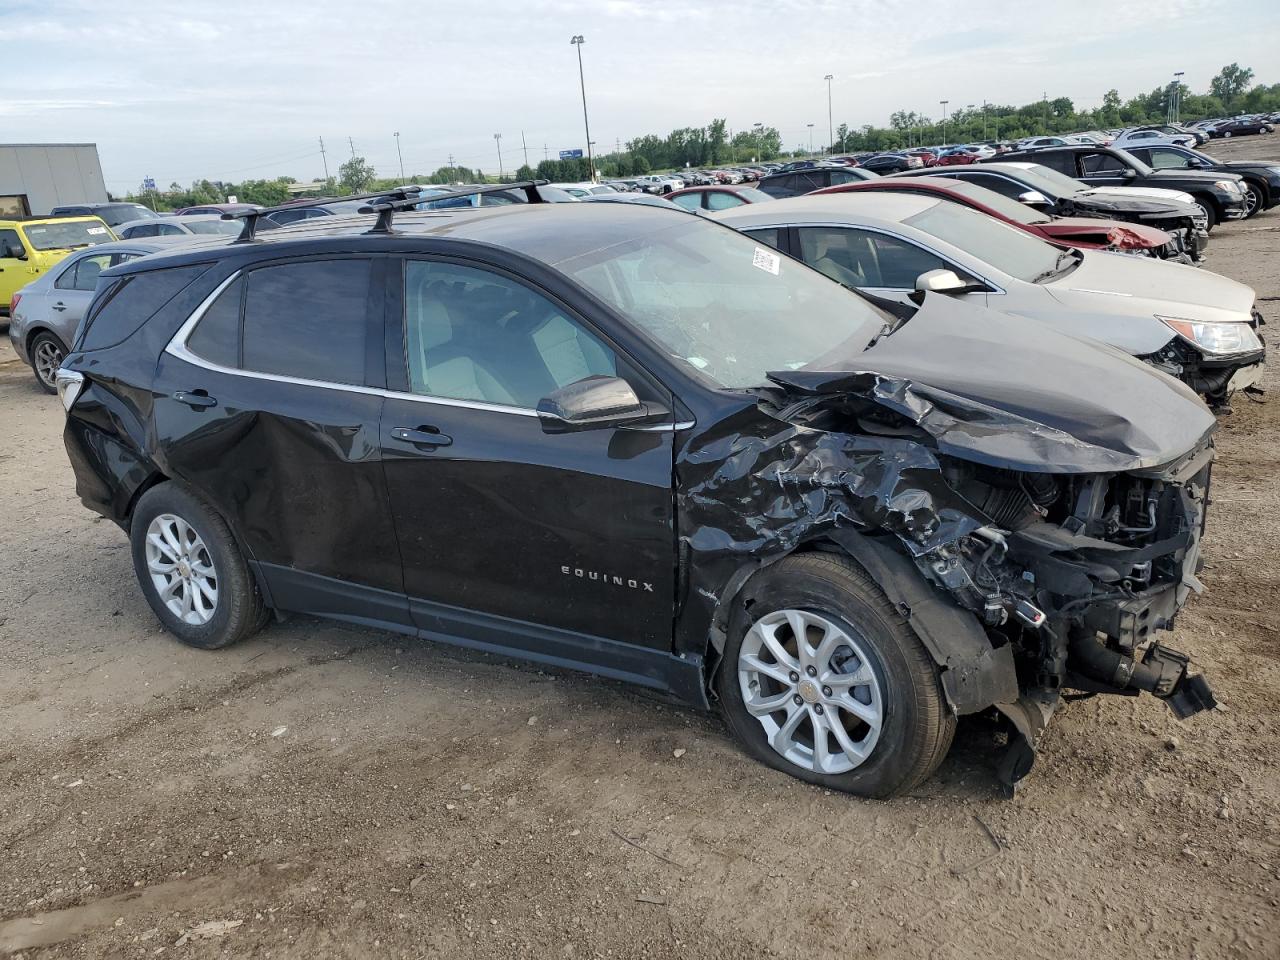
(1256, 198)
(1227, 133)
(917, 727)
(44, 349)
(1210, 212)
(239, 610)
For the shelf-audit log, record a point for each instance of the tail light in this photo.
(70, 384)
(13, 304)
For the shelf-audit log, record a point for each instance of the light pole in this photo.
(984, 119)
(578, 41)
(759, 129)
(810, 139)
(1177, 95)
(497, 142)
(944, 121)
(400, 155)
(831, 134)
(968, 120)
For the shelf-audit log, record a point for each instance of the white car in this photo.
(1153, 138)
(1154, 193)
(1193, 324)
(660, 183)
(1028, 142)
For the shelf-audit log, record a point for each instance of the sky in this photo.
(233, 90)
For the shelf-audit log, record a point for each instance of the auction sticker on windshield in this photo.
(769, 262)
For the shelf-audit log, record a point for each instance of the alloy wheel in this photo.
(1252, 200)
(182, 569)
(47, 358)
(810, 684)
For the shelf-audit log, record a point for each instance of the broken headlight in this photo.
(1235, 336)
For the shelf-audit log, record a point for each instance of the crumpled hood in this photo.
(1128, 236)
(1011, 392)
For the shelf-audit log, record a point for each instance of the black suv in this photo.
(794, 183)
(1261, 177)
(1219, 195)
(639, 443)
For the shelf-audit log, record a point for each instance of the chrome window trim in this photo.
(177, 347)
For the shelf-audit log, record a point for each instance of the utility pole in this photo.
(452, 175)
(578, 41)
(546, 154)
(759, 129)
(1046, 111)
(831, 136)
(968, 120)
(1177, 95)
(497, 142)
(324, 159)
(525, 146)
(984, 119)
(944, 121)
(810, 139)
(400, 155)
(353, 147)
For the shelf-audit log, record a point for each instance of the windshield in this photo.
(726, 305)
(66, 234)
(1050, 182)
(230, 228)
(1008, 249)
(1010, 209)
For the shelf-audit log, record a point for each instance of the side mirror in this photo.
(1128, 173)
(1033, 198)
(594, 402)
(15, 251)
(946, 281)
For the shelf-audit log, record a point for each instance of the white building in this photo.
(36, 177)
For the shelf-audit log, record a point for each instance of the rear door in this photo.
(512, 535)
(267, 402)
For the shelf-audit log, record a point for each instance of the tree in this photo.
(1231, 81)
(355, 175)
(842, 134)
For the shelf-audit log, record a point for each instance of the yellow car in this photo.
(31, 246)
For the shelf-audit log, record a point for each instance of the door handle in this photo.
(59, 306)
(422, 436)
(196, 400)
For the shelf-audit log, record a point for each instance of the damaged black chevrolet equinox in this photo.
(638, 443)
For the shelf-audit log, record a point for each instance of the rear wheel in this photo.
(1226, 133)
(823, 679)
(192, 571)
(47, 354)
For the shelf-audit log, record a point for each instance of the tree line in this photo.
(1230, 92)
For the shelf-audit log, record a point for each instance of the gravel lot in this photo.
(325, 791)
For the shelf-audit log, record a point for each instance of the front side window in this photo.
(471, 334)
(1103, 164)
(862, 258)
(10, 243)
(304, 320)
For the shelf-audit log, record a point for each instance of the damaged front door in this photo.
(511, 535)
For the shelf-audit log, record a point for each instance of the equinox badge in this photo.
(608, 578)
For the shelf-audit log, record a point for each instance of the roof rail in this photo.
(250, 217)
(389, 201)
(387, 207)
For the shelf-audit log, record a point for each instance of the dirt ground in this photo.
(325, 791)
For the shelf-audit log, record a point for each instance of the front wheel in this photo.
(1210, 214)
(192, 571)
(1253, 199)
(1227, 134)
(823, 679)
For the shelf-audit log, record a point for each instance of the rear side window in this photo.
(307, 320)
(128, 304)
(304, 320)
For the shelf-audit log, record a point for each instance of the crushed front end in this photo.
(1078, 574)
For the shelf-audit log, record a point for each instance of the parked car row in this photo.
(846, 465)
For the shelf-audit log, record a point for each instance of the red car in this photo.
(1064, 232)
(926, 157)
(953, 157)
(717, 198)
